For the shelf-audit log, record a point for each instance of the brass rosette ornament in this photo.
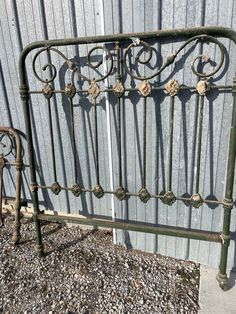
(120, 193)
(98, 191)
(56, 188)
(144, 195)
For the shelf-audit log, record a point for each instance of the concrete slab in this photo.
(212, 299)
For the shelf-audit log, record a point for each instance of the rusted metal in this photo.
(9, 139)
(121, 47)
(172, 87)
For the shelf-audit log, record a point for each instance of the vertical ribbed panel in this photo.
(22, 22)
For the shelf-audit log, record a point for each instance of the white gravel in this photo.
(84, 272)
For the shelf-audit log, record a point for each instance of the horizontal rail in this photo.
(133, 89)
(148, 228)
(156, 196)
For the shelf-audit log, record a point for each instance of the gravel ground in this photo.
(84, 272)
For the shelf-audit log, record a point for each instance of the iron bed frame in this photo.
(145, 88)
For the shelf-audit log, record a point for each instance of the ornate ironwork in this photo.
(202, 87)
(47, 91)
(118, 88)
(56, 188)
(196, 200)
(6, 144)
(94, 89)
(169, 198)
(172, 87)
(120, 193)
(70, 90)
(144, 195)
(144, 88)
(10, 144)
(98, 191)
(76, 190)
(135, 59)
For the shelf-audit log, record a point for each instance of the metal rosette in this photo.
(47, 91)
(172, 87)
(144, 195)
(196, 200)
(144, 88)
(76, 190)
(168, 198)
(56, 188)
(120, 193)
(94, 89)
(98, 191)
(70, 90)
(118, 88)
(203, 86)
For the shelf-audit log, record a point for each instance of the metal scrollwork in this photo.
(51, 67)
(100, 62)
(106, 56)
(6, 144)
(171, 58)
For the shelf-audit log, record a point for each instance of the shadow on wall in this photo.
(131, 106)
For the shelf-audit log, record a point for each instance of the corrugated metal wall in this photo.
(25, 21)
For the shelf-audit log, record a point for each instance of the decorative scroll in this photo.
(170, 59)
(106, 56)
(127, 61)
(72, 66)
(6, 144)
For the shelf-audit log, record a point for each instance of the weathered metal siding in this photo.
(22, 22)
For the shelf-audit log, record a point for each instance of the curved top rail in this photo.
(219, 31)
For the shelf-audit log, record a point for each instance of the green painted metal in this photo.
(135, 226)
(202, 34)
